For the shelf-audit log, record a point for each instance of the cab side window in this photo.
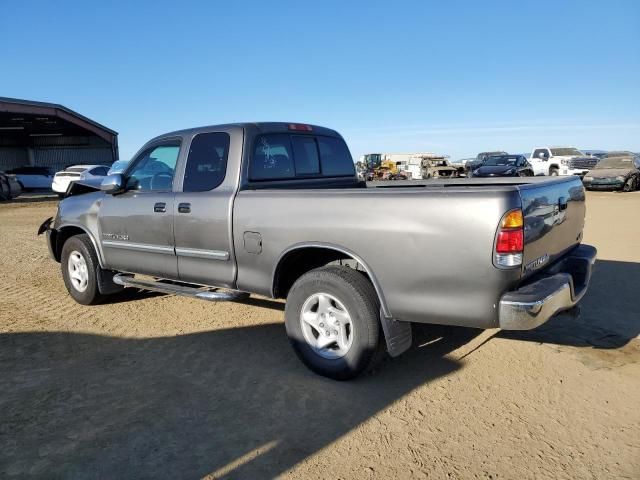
(207, 162)
(536, 153)
(154, 169)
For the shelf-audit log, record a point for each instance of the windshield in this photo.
(619, 162)
(500, 161)
(566, 152)
(618, 154)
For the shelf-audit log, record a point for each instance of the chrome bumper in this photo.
(561, 288)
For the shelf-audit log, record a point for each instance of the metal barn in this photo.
(49, 135)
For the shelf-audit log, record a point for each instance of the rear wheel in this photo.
(79, 264)
(331, 316)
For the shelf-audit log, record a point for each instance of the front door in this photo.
(202, 206)
(136, 226)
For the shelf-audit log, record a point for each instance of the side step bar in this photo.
(186, 290)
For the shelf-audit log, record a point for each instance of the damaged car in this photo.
(438, 167)
(616, 171)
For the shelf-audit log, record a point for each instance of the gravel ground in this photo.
(157, 386)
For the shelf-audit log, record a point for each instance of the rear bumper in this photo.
(559, 288)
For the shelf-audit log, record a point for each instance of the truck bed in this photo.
(467, 182)
(429, 244)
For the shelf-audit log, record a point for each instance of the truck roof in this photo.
(257, 127)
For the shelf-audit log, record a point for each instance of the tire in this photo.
(347, 291)
(629, 185)
(553, 172)
(80, 248)
(60, 196)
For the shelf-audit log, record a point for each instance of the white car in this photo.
(62, 179)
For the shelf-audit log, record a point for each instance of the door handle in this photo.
(160, 207)
(184, 207)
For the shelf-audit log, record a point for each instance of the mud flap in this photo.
(106, 285)
(397, 335)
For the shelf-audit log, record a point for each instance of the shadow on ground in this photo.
(609, 314)
(33, 197)
(234, 403)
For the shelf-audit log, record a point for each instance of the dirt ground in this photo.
(156, 386)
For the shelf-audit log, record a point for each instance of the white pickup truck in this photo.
(561, 161)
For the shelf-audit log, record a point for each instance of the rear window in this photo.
(75, 169)
(99, 171)
(207, 162)
(285, 156)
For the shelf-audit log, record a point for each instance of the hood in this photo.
(609, 172)
(84, 186)
(495, 169)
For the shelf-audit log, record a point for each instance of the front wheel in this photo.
(553, 172)
(79, 264)
(331, 317)
(629, 185)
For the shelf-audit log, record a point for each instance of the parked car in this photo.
(276, 209)
(504, 166)
(9, 186)
(118, 166)
(33, 178)
(479, 160)
(555, 161)
(62, 179)
(616, 171)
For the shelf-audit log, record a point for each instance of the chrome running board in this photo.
(183, 289)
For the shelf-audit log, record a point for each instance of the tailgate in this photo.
(554, 214)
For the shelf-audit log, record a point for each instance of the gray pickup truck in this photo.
(276, 209)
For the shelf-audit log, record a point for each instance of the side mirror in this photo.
(542, 156)
(112, 183)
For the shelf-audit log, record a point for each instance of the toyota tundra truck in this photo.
(276, 209)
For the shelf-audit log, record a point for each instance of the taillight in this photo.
(300, 127)
(510, 240)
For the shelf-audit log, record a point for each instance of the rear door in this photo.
(554, 214)
(203, 207)
(136, 226)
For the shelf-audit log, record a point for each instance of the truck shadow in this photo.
(231, 403)
(609, 313)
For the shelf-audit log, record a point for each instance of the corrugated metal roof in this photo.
(5, 102)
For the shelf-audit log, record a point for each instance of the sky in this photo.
(449, 77)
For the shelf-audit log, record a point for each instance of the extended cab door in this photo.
(203, 208)
(136, 227)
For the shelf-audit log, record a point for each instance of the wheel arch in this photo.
(300, 258)
(65, 232)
